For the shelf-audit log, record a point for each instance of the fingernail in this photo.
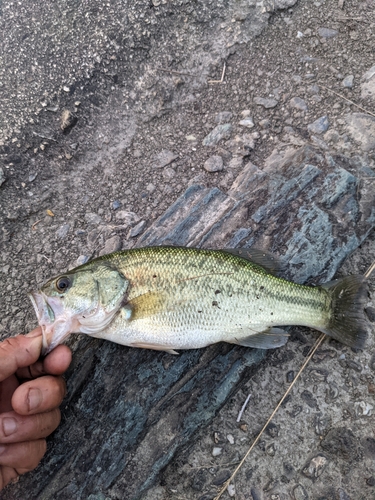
(9, 426)
(37, 332)
(34, 398)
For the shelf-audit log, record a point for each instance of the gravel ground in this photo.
(108, 112)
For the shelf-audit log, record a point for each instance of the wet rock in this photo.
(299, 493)
(112, 245)
(267, 103)
(342, 443)
(223, 117)
(348, 81)
(298, 103)
(219, 133)
(63, 231)
(164, 158)
(362, 129)
(214, 164)
(315, 467)
(138, 229)
(327, 33)
(319, 126)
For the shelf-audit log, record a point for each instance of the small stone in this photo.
(267, 103)
(298, 103)
(216, 451)
(363, 409)
(370, 311)
(67, 120)
(127, 218)
(111, 245)
(164, 158)
(272, 430)
(247, 122)
(370, 481)
(245, 113)
(319, 126)
(299, 493)
(168, 173)
(63, 231)
(93, 218)
(332, 136)
(82, 259)
(348, 81)
(223, 117)
(315, 467)
(313, 89)
(66, 88)
(219, 133)
(32, 177)
(290, 376)
(191, 138)
(150, 188)
(231, 490)
(136, 230)
(327, 33)
(230, 438)
(362, 129)
(265, 123)
(236, 162)
(214, 164)
(116, 204)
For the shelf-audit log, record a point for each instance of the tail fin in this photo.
(348, 323)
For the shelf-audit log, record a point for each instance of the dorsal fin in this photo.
(260, 257)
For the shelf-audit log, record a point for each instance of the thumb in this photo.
(18, 352)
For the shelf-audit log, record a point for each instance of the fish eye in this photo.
(62, 284)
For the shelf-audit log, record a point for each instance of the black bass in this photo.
(169, 298)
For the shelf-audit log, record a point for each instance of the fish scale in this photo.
(171, 298)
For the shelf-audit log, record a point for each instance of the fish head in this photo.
(82, 300)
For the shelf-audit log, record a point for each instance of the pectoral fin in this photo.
(156, 347)
(269, 339)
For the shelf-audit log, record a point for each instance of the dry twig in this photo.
(222, 76)
(346, 99)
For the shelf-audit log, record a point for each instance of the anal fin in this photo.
(268, 339)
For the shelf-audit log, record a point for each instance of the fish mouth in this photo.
(55, 324)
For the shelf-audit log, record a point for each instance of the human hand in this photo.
(31, 391)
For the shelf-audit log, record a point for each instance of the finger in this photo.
(39, 395)
(16, 428)
(23, 456)
(55, 363)
(7, 475)
(17, 352)
(7, 388)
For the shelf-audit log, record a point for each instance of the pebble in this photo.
(223, 117)
(164, 158)
(247, 122)
(82, 259)
(168, 173)
(368, 87)
(267, 103)
(127, 218)
(327, 33)
(214, 164)
(231, 490)
(315, 467)
(93, 218)
(67, 120)
(150, 188)
(319, 126)
(332, 136)
(216, 451)
(362, 129)
(116, 204)
(230, 438)
(235, 162)
(136, 230)
(298, 103)
(219, 133)
(111, 245)
(63, 231)
(299, 493)
(348, 81)
(32, 177)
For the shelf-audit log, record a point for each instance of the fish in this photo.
(172, 298)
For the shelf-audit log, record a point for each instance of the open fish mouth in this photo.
(55, 324)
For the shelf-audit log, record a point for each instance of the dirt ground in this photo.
(104, 109)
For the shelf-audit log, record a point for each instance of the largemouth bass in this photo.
(169, 298)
